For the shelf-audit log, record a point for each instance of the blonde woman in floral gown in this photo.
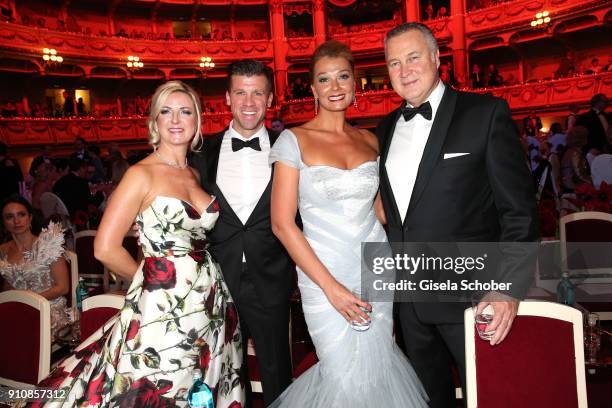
(178, 315)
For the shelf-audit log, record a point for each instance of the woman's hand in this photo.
(346, 303)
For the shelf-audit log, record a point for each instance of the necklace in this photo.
(171, 163)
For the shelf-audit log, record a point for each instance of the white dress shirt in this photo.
(242, 176)
(406, 150)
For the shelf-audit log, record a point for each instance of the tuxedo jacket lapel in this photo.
(384, 179)
(263, 204)
(435, 141)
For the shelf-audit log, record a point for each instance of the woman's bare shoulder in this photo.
(369, 138)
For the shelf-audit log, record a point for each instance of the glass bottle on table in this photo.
(592, 338)
(566, 290)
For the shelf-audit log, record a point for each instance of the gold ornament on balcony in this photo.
(51, 57)
(206, 64)
(542, 19)
(134, 63)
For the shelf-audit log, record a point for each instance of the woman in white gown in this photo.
(329, 171)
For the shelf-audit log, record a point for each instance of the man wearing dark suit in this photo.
(73, 188)
(596, 122)
(233, 166)
(451, 169)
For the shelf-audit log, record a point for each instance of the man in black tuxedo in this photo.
(596, 121)
(451, 170)
(73, 188)
(234, 167)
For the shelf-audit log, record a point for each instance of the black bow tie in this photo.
(238, 144)
(424, 110)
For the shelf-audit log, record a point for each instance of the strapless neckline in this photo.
(327, 166)
(193, 207)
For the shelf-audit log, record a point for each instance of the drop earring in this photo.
(355, 100)
(316, 101)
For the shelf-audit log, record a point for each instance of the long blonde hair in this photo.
(157, 102)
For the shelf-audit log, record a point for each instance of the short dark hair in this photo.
(332, 49)
(556, 128)
(404, 28)
(250, 67)
(75, 164)
(597, 98)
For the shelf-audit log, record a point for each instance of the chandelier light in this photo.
(206, 64)
(51, 57)
(134, 63)
(542, 18)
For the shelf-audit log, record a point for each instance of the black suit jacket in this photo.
(268, 263)
(485, 196)
(597, 134)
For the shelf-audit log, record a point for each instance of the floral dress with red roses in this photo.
(178, 317)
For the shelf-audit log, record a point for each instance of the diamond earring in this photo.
(316, 101)
(355, 101)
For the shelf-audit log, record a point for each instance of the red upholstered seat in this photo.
(540, 363)
(25, 345)
(592, 262)
(97, 310)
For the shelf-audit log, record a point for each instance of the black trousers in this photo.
(432, 348)
(269, 328)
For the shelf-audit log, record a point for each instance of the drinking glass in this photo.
(482, 319)
(358, 323)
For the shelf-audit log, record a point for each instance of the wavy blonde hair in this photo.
(158, 101)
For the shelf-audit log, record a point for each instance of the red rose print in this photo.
(198, 247)
(55, 379)
(210, 299)
(143, 393)
(213, 207)
(132, 330)
(191, 212)
(231, 321)
(159, 273)
(93, 393)
(205, 357)
(93, 348)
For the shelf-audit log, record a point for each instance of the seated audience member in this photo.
(608, 66)
(73, 188)
(493, 77)
(594, 68)
(573, 164)
(34, 263)
(476, 77)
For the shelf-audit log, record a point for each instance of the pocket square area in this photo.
(451, 155)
